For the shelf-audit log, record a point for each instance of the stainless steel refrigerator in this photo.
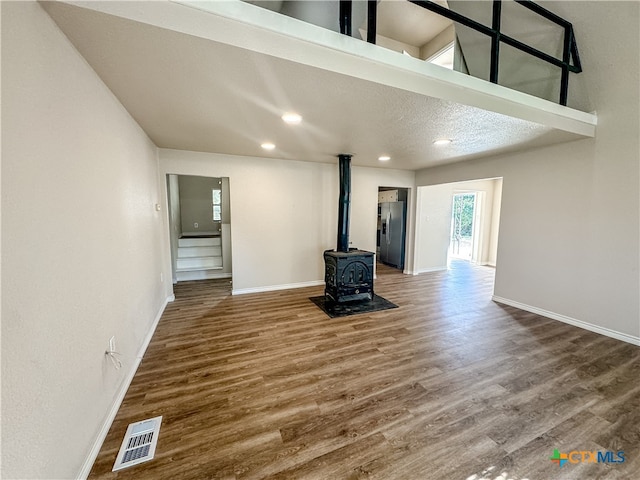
(392, 222)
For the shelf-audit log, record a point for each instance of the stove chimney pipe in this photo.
(344, 201)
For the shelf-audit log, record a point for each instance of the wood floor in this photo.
(449, 386)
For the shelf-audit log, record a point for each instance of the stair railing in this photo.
(570, 48)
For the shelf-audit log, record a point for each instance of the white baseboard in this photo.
(571, 321)
(432, 269)
(122, 391)
(271, 288)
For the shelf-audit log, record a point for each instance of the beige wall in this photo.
(442, 40)
(196, 204)
(285, 213)
(569, 227)
(394, 45)
(82, 248)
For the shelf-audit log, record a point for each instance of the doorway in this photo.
(463, 213)
(200, 226)
(391, 229)
(435, 223)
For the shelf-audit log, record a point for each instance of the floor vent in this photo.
(139, 444)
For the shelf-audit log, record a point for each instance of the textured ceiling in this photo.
(193, 93)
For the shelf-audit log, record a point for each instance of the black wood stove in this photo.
(348, 272)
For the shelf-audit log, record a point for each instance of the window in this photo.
(217, 204)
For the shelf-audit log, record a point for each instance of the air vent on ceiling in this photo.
(139, 444)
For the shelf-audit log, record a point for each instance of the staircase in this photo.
(199, 258)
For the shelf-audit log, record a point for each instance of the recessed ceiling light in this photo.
(384, 158)
(292, 118)
(442, 141)
(268, 146)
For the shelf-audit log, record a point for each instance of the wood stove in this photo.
(348, 271)
(348, 276)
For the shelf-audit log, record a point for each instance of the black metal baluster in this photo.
(570, 47)
(495, 41)
(345, 17)
(566, 57)
(372, 20)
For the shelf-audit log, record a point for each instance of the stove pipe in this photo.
(344, 201)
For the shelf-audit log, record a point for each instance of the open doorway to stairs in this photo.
(200, 226)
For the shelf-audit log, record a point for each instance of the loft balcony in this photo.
(216, 77)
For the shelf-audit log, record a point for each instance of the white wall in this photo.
(82, 248)
(227, 265)
(285, 213)
(569, 227)
(433, 227)
(174, 220)
(492, 256)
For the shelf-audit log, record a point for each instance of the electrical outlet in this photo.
(112, 344)
(195, 225)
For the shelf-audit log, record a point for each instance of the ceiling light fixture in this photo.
(292, 118)
(442, 141)
(268, 146)
(384, 158)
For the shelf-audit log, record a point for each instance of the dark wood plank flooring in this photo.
(449, 386)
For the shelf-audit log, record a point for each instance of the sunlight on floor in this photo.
(488, 475)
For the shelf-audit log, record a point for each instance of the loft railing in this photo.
(569, 52)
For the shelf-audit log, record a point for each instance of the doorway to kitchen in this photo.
(391, 230)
